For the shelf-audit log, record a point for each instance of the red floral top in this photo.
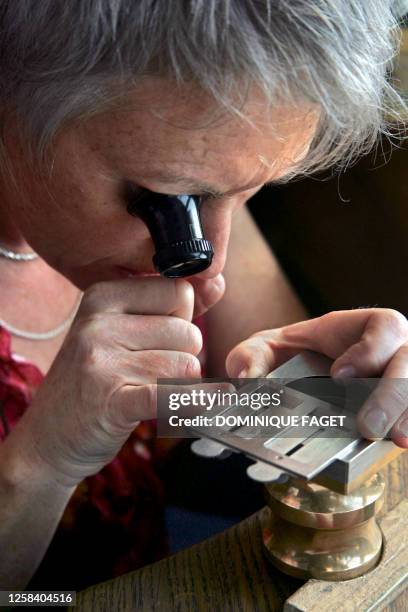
(114, 522)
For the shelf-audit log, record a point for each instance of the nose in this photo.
(216, 222)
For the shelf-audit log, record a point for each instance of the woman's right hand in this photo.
(126, 335)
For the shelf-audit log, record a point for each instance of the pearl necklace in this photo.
(17, 256)
(27, 335)
(48, 335)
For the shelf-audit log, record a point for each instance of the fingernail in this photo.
(255, 372)
(243, 373)
(345, 371)
(375, 421)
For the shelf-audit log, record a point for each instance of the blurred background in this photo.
(343, 241)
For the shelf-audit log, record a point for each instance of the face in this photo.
(74, 212)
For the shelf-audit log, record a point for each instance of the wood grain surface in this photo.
(226, 573)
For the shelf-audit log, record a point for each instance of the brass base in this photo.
(317, 533)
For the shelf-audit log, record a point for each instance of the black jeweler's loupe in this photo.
(175, 226)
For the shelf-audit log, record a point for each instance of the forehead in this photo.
(161, 133)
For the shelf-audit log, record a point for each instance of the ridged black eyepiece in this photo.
(175, 226)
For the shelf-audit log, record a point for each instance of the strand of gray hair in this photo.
(63, 60)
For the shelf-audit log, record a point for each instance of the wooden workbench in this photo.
(227, 572)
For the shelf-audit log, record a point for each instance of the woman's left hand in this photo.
(363, 343)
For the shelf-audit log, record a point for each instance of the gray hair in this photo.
(63, 60)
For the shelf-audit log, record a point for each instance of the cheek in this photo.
(83, 223)
(216, 220)
(93, 211)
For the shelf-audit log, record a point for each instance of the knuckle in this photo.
(94, 355)
(258, 344)
(330, 317)
(367, 351)
(90, 327)
(189, 366)
(90, 351)
(396, 322)
(264, 333)
(152, 364)
(245, 349)
(184, 291)
(366, 348)
(194, 338)
(187, 334)
(183, 287)
(94, 295)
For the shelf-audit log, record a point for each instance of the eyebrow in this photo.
(197, 188)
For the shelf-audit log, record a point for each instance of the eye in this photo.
(206, 197)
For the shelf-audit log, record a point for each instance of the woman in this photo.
(211, 98)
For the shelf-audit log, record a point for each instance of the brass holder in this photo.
(318, 533)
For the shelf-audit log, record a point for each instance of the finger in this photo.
(361, 341)
(146, 367)
(268, 349)
(330, 334)
(147, 332)
(259, 355)
(399, 432)
(207, 293)
(388, 402)
(384, 333)
(132, 404)
(150, 295)
(136, 399)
